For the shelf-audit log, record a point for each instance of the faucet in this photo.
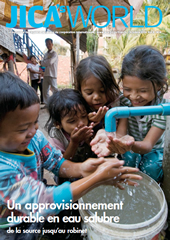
(125, 112)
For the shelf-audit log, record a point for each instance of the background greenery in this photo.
(158, 37)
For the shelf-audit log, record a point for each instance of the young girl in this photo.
(24, 151)
(68, 125)
(143, 77)
(69, 132)
(95, 80)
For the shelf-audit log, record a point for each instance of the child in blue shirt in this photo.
(24, 151)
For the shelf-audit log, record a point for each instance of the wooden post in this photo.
(11, 66)
(27, 41)
(72, 65)
(77, 46)
(73, 58)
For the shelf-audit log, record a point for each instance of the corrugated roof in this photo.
(6, 39)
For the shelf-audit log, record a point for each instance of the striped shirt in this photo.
(138, 126)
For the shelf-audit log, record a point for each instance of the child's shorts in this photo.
(149, 163)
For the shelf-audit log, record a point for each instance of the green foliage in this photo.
(64, 86)
(164, 36)
(92, 43)
(118, 48)
(160, 38)
(61, 50)
(154, 38)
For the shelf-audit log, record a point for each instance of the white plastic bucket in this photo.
(145, 230)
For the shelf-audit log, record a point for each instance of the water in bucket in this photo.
(136, 209)
(143, 213)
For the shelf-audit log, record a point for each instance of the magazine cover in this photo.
(84, 119)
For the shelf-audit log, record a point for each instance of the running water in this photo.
(113, 134)
(139, 203)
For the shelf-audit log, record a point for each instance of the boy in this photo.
(24, 151)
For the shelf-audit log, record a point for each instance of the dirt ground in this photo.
(43, 117)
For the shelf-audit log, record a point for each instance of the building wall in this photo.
(63, 78)
(64, 70)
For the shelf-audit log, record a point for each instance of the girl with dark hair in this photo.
(143, 77)
(68, 125)
(96, 83)
(69, 132)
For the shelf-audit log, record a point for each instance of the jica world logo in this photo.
(52, 17)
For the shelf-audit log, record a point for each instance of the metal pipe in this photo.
(125, 112)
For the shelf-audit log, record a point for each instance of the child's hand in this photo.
(112, 172)
(97, 117)
(80, 134)
(42, 74)
(99, 144)
(90, 165)
(97, 172)
(103, 145)
(119, 145)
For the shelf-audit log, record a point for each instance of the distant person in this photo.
(50, 63)
(35, 75)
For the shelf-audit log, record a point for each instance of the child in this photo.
(35, 75)
(68, 125)
(24, 151)
(143, 77)
(95, 80)
(69, 132)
